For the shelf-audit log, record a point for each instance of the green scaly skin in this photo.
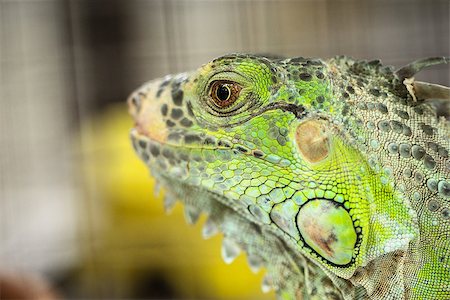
(332, 174)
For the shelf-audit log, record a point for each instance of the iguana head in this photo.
(271, 140)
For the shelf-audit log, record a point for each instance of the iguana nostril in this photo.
(134, 105)
(135, 101)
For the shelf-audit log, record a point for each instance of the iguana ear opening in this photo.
(313, 140)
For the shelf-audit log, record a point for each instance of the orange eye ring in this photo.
(224, 93)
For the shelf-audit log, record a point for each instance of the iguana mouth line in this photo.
(141, 144)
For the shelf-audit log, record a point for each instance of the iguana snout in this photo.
(157, 108)
(143, 106)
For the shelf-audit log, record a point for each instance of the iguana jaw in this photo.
(263, 245)
(233, 221)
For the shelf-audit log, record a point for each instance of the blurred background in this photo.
(78, 216)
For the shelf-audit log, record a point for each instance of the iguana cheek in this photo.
(328, 229)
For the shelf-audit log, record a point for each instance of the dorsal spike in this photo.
(415, 67)
(210, 229)
(157, 189)
(425, 90)
(267, 284)
(191, 214)
(230, 250)
(255, 262)
(169, 202)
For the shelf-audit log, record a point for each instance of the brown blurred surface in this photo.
(75, 203)
(21, 286)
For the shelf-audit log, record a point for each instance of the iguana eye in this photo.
(224, 93)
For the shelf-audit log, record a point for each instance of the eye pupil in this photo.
(223, 92)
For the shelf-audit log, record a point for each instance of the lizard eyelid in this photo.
(224, 93)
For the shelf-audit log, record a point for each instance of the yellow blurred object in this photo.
(134, 249)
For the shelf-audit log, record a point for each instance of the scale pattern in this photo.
(333, 174)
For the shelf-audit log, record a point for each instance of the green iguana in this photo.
(334, 175)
